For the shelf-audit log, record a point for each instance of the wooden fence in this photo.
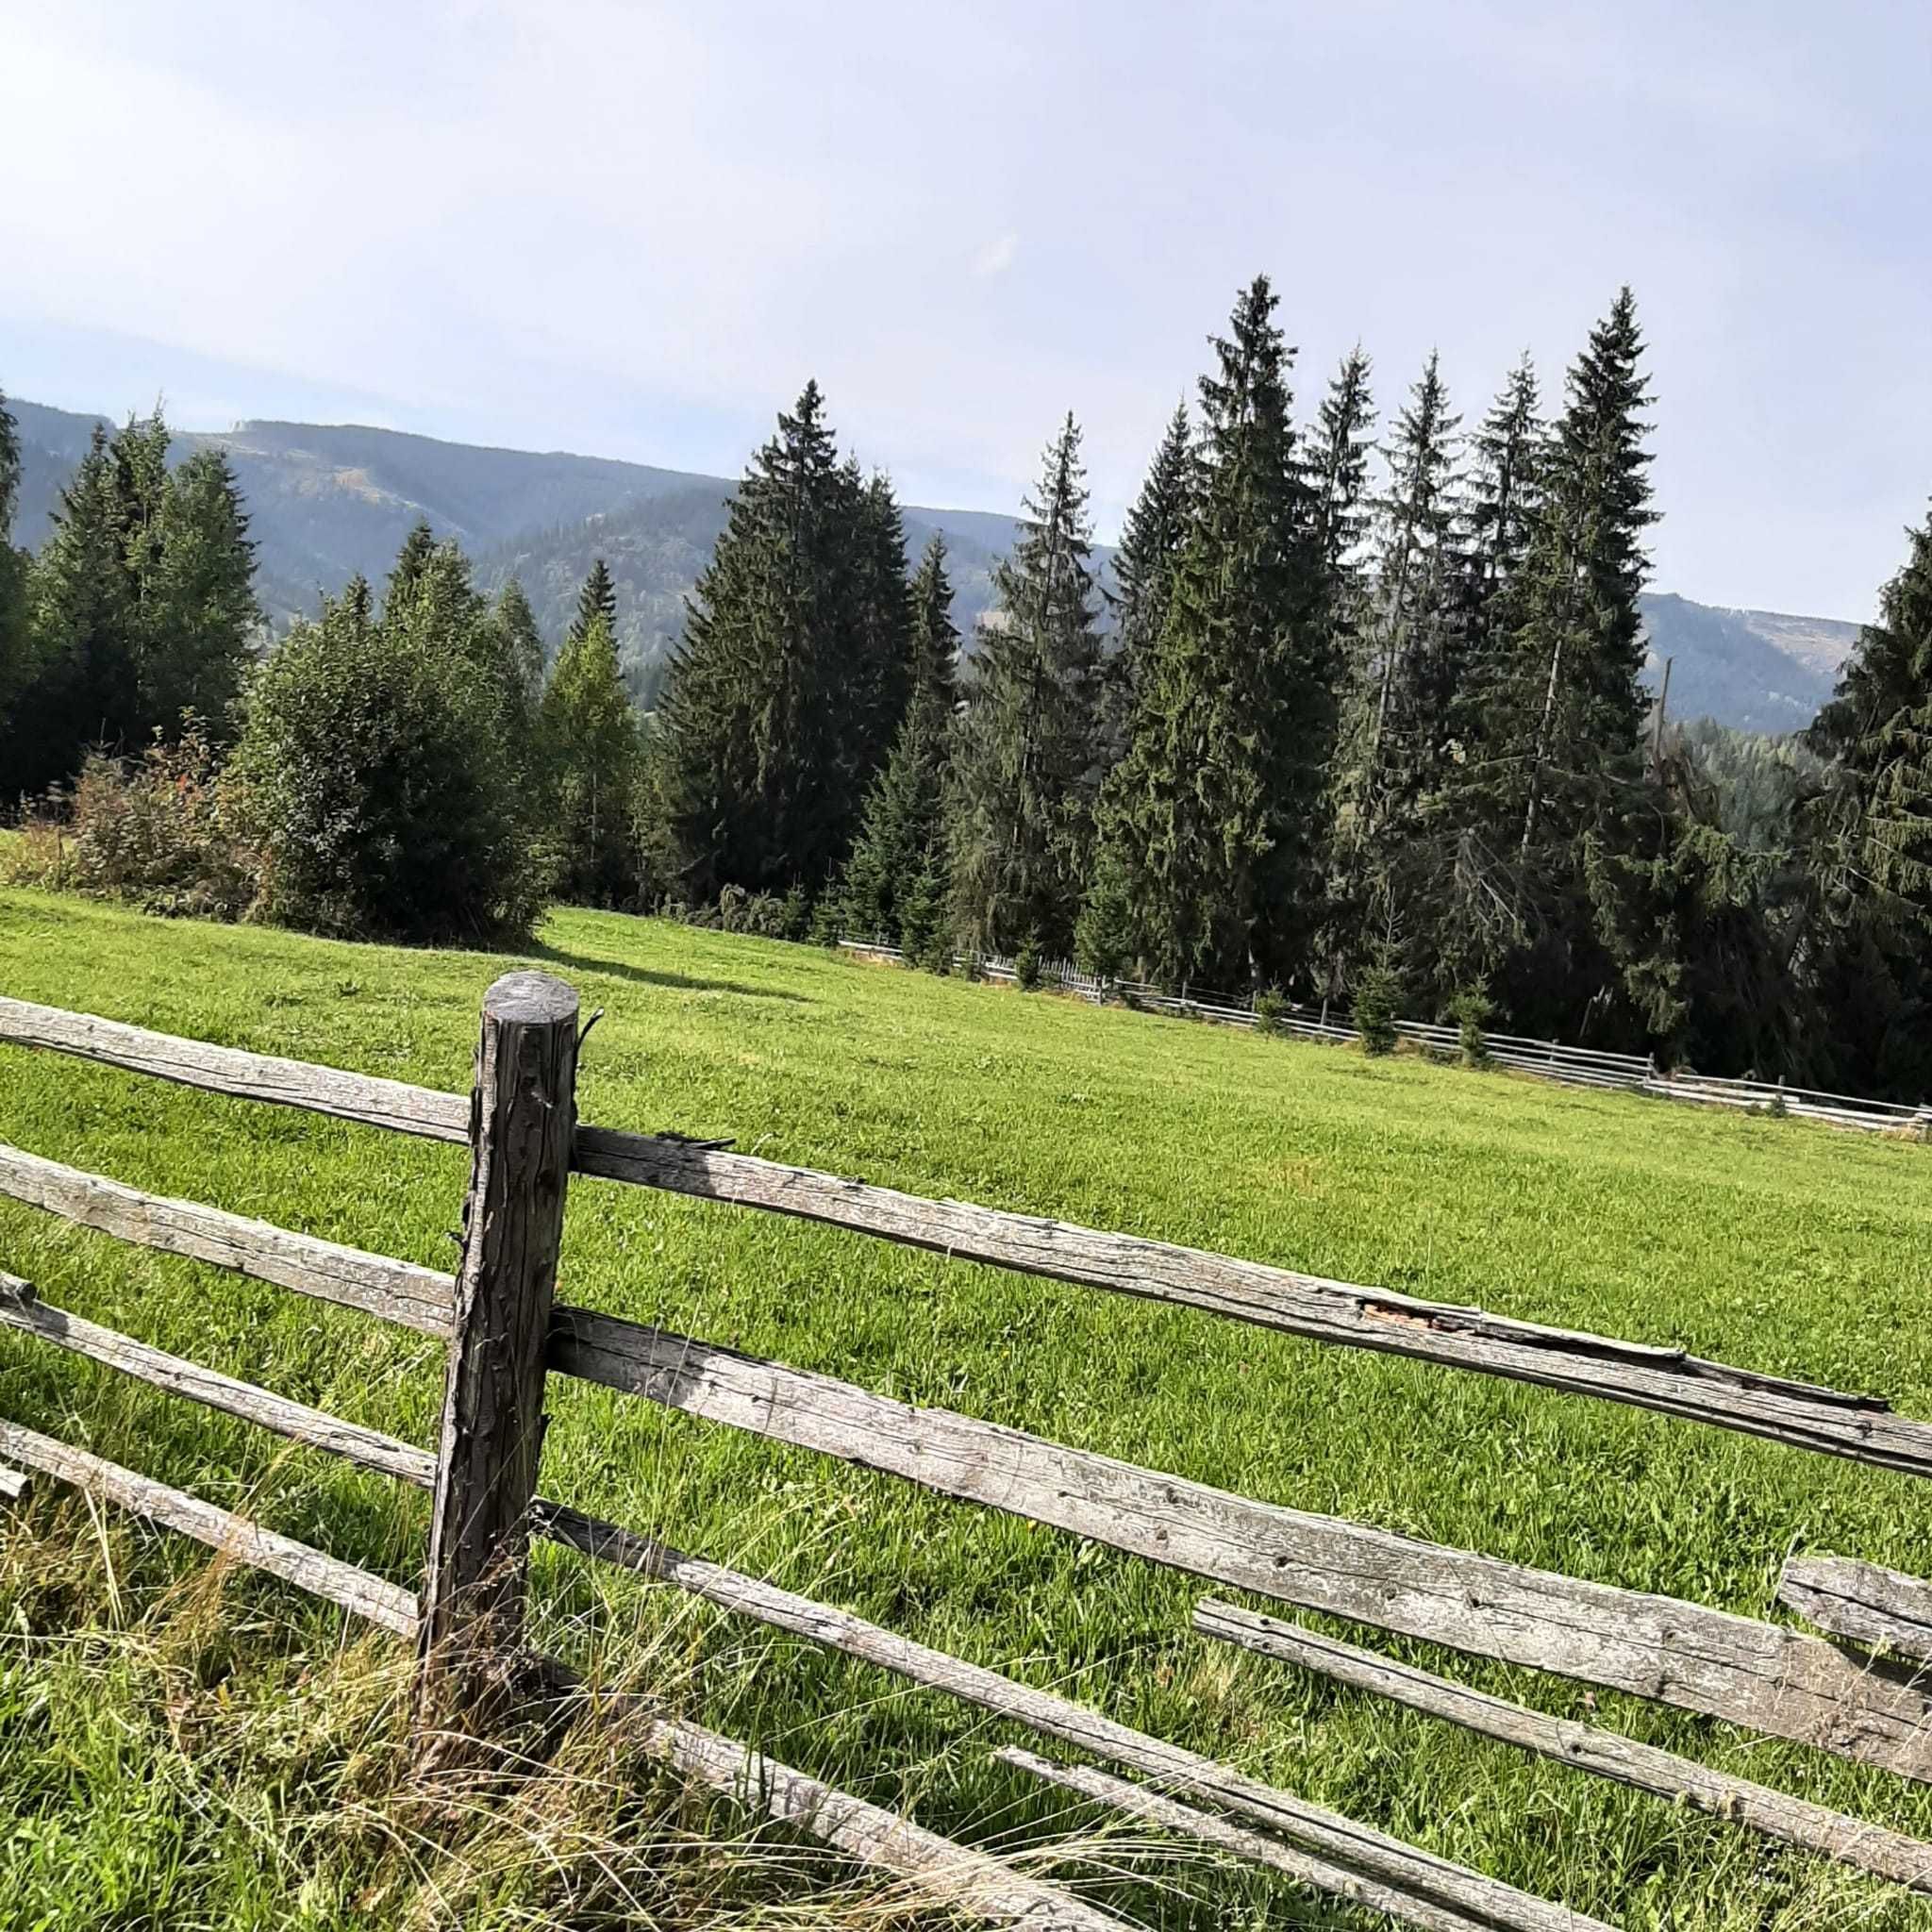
(507, 1332)
(1547, 1060)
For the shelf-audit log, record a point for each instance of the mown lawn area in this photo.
(1776, 1244)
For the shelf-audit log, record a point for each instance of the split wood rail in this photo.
(506, 1331)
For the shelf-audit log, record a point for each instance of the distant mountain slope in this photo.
(329, 500)
(1756, 670)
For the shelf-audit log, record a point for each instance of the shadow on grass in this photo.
(642, 975)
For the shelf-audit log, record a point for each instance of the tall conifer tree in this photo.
(1025, 767)
(598, 598)
(773, 717)
(1581, 635)
(1213, 827)
(1872, 842)
(895, 886)
(591, 740)
(15, 661)
(1151, 542)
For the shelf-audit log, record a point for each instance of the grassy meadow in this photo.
(180, 1748)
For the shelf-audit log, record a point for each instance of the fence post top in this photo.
(531, 999)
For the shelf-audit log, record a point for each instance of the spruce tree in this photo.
(1581, 638)
(1505, 491)
(1543, 753)
(1337, 466)
(519, 651)
(1407, 671)
(1025, 767)
(419, 546)
(85, 682)
(1872, 841)
(15, 661)
(1212, 825)
(773, 717)
(596, 598)
(895, 884)
(878, 679)
(1402, 674)
(198, 598)
(1151, 542)
(591, 740)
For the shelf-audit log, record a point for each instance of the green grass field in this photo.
(168, 1761)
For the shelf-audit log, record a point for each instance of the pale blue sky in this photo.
(634, 230)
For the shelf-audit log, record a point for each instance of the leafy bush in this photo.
(1269, 1010)
(154, 831)
(374, 778)
(1471, 1010)
(1377, 1003)
(1026, 964)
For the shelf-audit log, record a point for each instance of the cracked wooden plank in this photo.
(1588, 1747)
(1688, 1655)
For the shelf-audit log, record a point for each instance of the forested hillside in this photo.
(1354, 713)
(326, 503)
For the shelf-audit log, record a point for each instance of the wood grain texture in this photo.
(1669, 1381)
(941, 1874)
(1168, 1814)
(1326, 1834)
(364, 1097)
(1684, 1654)
(524, 1115)
(1882, 1609)
(395, 1291)
(233, 1536)
(729, 1590)
(22, 1310)
(1589, 1747)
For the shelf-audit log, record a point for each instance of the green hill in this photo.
(328, 501)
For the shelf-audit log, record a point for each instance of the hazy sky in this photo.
(634, 230)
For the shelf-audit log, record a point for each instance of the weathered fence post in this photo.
(523, 1114)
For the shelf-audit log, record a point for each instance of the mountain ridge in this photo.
(329, 500)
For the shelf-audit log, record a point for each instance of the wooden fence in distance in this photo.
(1547, 1060)
(507, 1332)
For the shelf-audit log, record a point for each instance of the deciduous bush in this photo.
(154, 831)
(1270, 1008)
(373, 776)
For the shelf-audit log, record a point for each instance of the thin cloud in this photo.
(996, 257)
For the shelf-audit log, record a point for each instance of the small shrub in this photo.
(794, 915)
(1377, 1002)
(153, 831)
(1026, 964)
(1270, 1009)
(757, 915)
(1471, 1010)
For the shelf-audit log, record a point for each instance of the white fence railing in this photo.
(1548, 1060)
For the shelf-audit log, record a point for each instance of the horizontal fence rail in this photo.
(1045, 1712)
(1588, 1747)
(1773, 1678)
(1669, 1381)
(1549, 1059)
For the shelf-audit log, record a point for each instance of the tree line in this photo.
(1356, 720)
